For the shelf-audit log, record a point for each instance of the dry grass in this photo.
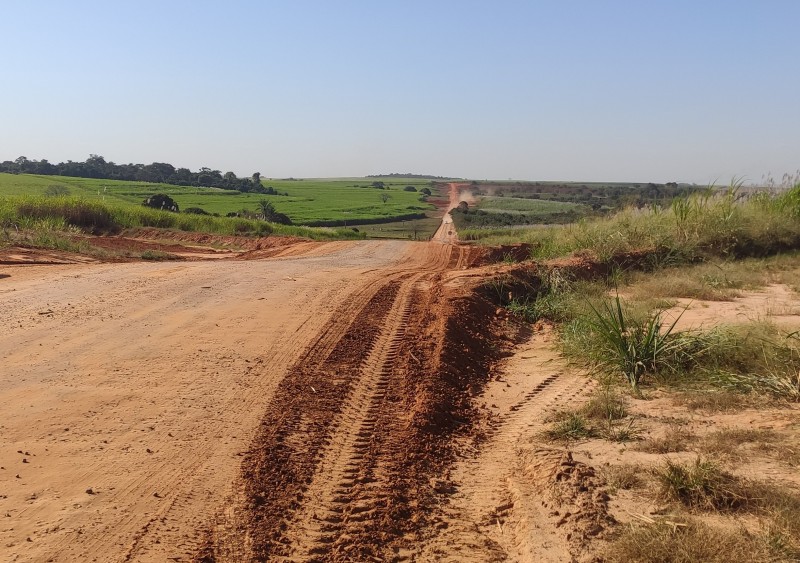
(623, 477)
(728, 442)
(713, 401)
(686, 541)
(786, 452)
(604, 415)
(675, 439)
(704, 485)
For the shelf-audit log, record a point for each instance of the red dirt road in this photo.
(133, 390)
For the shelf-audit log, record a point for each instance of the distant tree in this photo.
(385, 197)
(410, 189)
(463, 206)
(256, 178)
(266, 208)
(379, 185)
(425, 191)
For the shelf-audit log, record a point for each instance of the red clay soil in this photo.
(354, 450)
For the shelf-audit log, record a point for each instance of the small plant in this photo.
(702, 484)
(570, 426)
(523, 308)
(509, 258)
(623, 477)
(635, 348)
(56, 190)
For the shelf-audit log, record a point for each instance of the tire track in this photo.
(300, 424)
(484, 501)
(329, 502)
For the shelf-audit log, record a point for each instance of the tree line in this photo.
(158, 172)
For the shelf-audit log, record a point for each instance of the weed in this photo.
(728, 441)
(605, 404)
(524, 309)
(509, 258)
(713, 400)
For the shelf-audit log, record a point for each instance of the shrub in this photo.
(161, 201)
(196, 211)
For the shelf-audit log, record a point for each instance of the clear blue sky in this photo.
(582, 90)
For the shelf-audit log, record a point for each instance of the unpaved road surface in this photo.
(129, 393)
(280, 401)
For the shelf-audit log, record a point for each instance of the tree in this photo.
(385, 197)
(425, 191)
(266, 208)
(257, 178)
(410, 189)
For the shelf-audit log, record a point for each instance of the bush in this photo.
(410, 189)
(161, 201)
(196, 211)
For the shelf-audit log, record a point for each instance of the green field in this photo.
(525, 206)
(309, 202)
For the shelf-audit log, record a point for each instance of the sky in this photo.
(597, 90)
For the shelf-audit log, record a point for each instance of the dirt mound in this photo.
(573, 495)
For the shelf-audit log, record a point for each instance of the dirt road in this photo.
(130, 392)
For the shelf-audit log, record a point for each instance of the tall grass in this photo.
(728, 224)
(76, 214)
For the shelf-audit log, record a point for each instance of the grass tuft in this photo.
(685, 540)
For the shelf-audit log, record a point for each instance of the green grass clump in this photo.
(570, 426)
(635, 347)
(605, 415)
